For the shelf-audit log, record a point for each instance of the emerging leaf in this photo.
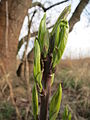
(62, 40)
(55, 104)
(63, 15)
(66, 114)
(43, 36)
(46, 44)
(35, 102)
(37, 66)
(57, 37)
(69, 116)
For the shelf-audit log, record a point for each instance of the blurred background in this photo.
(19, 23)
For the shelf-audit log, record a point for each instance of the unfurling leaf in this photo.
(63, 15)
(43, 36)
(55, 104)
(35, 102)
(37, 66)
(57, 37)
(62, 40)
(66, 114)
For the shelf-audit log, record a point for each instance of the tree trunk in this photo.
(12, 13)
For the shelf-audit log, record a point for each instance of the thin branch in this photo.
(57, 4)
(45, 9)
(38, 4)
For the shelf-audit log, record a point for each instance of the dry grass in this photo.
(75, 78)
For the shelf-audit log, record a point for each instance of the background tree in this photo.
(12, 14)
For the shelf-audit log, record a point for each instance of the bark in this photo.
(45, 101)
(76, 15)
(46, 82)
(17, 10)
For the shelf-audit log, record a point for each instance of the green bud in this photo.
(59, 48)
(43, 36)
(55, 104)
(63, 15)
(66, 114)
(37, 66)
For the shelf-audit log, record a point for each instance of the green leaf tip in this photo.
(43, 37)
(66, 114)
(60, 41)
(55, 104)
(41, 32)
(63, 15)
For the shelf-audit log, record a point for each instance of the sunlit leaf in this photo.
(55, 104)
(43, 36)
(57, 37)
(66, 114)
(63, 15)
(37, 66)
(59, 49)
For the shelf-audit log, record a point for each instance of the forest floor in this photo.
(74, 75)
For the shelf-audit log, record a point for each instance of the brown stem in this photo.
(46, 81)
(45, 101)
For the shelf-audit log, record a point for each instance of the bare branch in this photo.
(57, 4)
(76, 15)
(45, 9)
(38, 4)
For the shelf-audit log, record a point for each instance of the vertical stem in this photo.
(44, 103)
(46, 81)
